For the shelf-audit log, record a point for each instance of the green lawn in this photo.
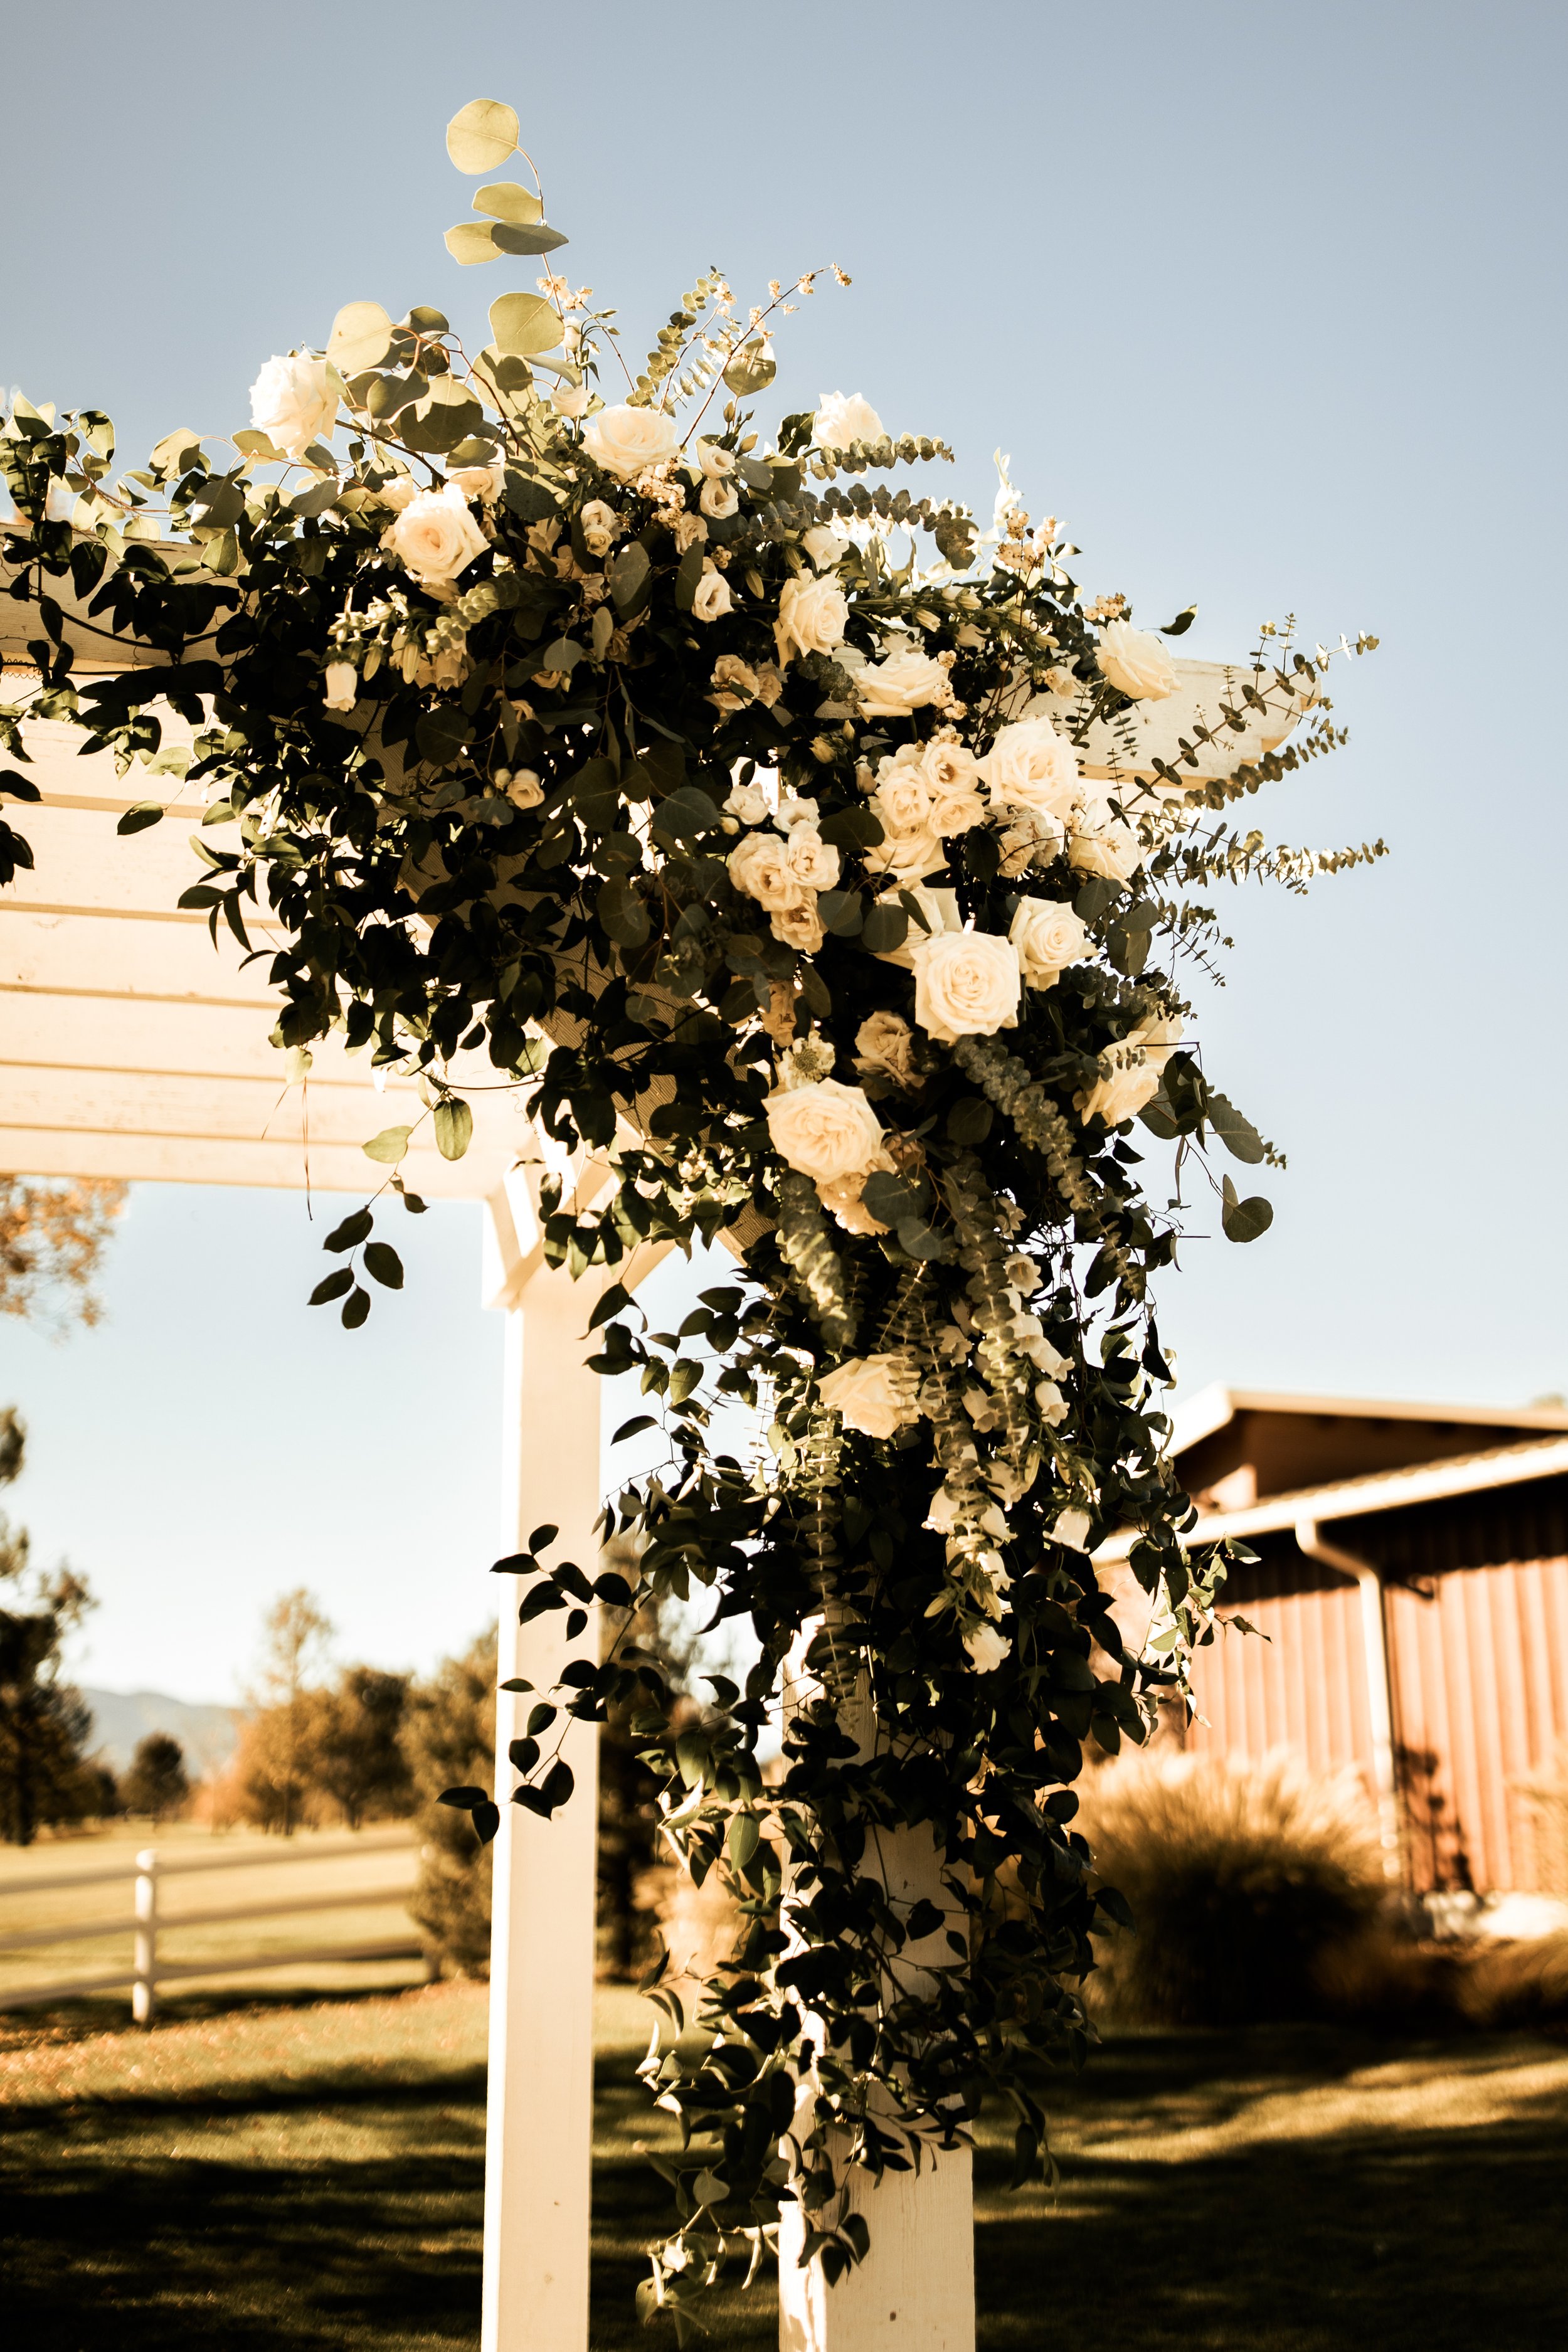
(302, 2177)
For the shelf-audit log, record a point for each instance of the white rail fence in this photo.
(147, 1971)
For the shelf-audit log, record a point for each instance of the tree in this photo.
(157, 1782)
(44, 1776)
(52, 1238)
(353, 1741)
(273, 1766)
(449, 1737)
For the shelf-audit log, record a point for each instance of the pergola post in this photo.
(540, 2121)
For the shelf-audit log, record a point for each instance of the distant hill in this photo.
(121, 1718)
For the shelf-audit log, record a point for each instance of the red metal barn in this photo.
(1412, 1583)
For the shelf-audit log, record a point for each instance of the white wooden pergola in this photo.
(130, 1049)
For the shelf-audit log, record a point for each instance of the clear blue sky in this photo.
(1265, 302)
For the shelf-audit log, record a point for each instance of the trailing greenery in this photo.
(735, 809)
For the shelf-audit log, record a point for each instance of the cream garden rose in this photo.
(761, 868)
(798, 925)
(1135, 662)
(712, 599)
(825, 1131)
(601, 527)
(523, 788)
(905, 681)
(844, 418)
(571, 399)
(627, 441)
(967, 984)
(1030, 766)
(1102, 843)
(825, 546)
(294, 402)
(938, 913)
(435, 538)
(1048, 936)
(815, 863)
(951, 777)
(884, 1046)
(1130, 1073)
(812, 617)
(875, 1395)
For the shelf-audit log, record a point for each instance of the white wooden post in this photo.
(915, 2290)
(144, 1952)
(540, 2135)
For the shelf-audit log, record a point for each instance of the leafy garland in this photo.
(760, 853)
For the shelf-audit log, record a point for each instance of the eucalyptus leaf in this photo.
(454, 1124)
(504, 200)
(1244, 1221)
(481, 135)
(361, 337)
(751, 369)
(523, 324)
(389, 1146)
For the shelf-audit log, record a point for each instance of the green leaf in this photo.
(686, 815)
(542, 1537)
(1245, 1220)
(623, 914)
(750, 371)
(968, 1120)
(463, 1799)
(388, 1148)
(350, 1233)
(382, 1261)
(536, 236)
(1181, 624)
(482, 135)
(1237, 1134)
(892, 1199)
(885, 930)
(626, 574)
(523, 324)
(687, 574)
(454, 1128)
(852, 828)
(633, 1428)
(443, 734)
(361, 337)
(470, 242)
(138, 819)
(744, 1839)
(505, 201)
(356, 1306)
(333, 1286)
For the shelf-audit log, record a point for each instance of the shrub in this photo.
(1240, 1880)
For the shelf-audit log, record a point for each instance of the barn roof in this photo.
(1390, 1490)
(1216, 1406)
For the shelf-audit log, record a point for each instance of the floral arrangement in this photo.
(738, 805)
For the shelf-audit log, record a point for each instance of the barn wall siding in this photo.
(1475, 1610)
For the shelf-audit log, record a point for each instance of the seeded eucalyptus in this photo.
(792, 845)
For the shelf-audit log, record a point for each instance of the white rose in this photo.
(844, 418)
(397, 493)
(523, 788)
(1135, 662)
(884, 1044)
(798, 925)
(908, 858)
(814, 862)
(1130, 1073)
(601, 527)
(761, 868)
(1030, 766)
(1063, 685)
(1036, 839)
(711, 600)
(1072, 1529)
(570, 399)
(293, 403)
(902, 802)
(436, 537)
(795, 808)
(939, 908)
(339, 686)
(1048, 936)
(967, 984)
(987, 1648)
(812, 617)
(718, 500)
(824, 547)
(626, 441)
(951, 775)
(714, 461)
(825, 1130)
(482, 482)
(1103, 844)
(872, 1394)
(906, 681)
(749, 802)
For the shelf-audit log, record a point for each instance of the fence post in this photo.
(144, 1957)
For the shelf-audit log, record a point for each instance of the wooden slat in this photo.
(110, 954)
(82, 864)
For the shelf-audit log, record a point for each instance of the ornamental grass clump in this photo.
(785, 842)
(1240, 1881)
